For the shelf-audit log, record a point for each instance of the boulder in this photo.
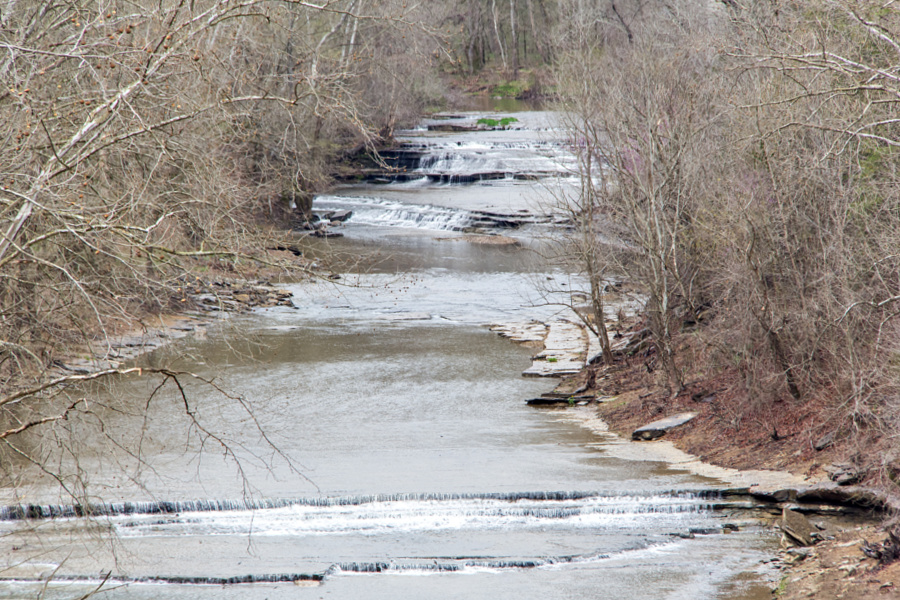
(657, 429)
(797, 528)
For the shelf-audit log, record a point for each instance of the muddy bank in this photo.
(839, 568)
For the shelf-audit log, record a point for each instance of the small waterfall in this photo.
(462, 565)
(504, 504)
(388, 213)
(467, 163)
(177, 579)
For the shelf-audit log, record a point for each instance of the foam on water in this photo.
(610, 503)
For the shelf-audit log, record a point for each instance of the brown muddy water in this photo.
(378, 441)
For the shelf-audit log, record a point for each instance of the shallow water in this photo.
(407, 462)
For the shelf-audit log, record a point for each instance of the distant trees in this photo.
(506, 33)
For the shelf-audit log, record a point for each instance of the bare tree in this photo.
(810, 227)
(645, 113)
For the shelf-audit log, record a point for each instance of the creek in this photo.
(407, 462)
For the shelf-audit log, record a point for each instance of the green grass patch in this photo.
(504, 122)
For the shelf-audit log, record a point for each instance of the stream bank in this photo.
(788, 465)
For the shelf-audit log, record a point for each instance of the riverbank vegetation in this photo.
(149, 150)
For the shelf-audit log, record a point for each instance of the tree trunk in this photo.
(497, 33)
(514, 40)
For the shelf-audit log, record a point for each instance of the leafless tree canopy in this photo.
(141, 139)
(148, 144)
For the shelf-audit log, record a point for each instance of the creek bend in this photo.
(418, 469)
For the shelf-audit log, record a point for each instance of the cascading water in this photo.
(406, 418)
(388, 213)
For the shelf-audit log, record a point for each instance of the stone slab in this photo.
(657, 429)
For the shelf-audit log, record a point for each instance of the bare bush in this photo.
(809, 230)
(753, 179)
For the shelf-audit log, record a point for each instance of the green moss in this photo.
(782, 586)
(873, 160)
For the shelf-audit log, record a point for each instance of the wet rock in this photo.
(339, 216)
(796, 528)
(547, 402)
(703, 530)
(292, 249)
(657, 429)
(451, 127)
(323, 233)
(551, 400)
(773, 495)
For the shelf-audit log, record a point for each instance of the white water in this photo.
(388, 213)
(409, 516)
